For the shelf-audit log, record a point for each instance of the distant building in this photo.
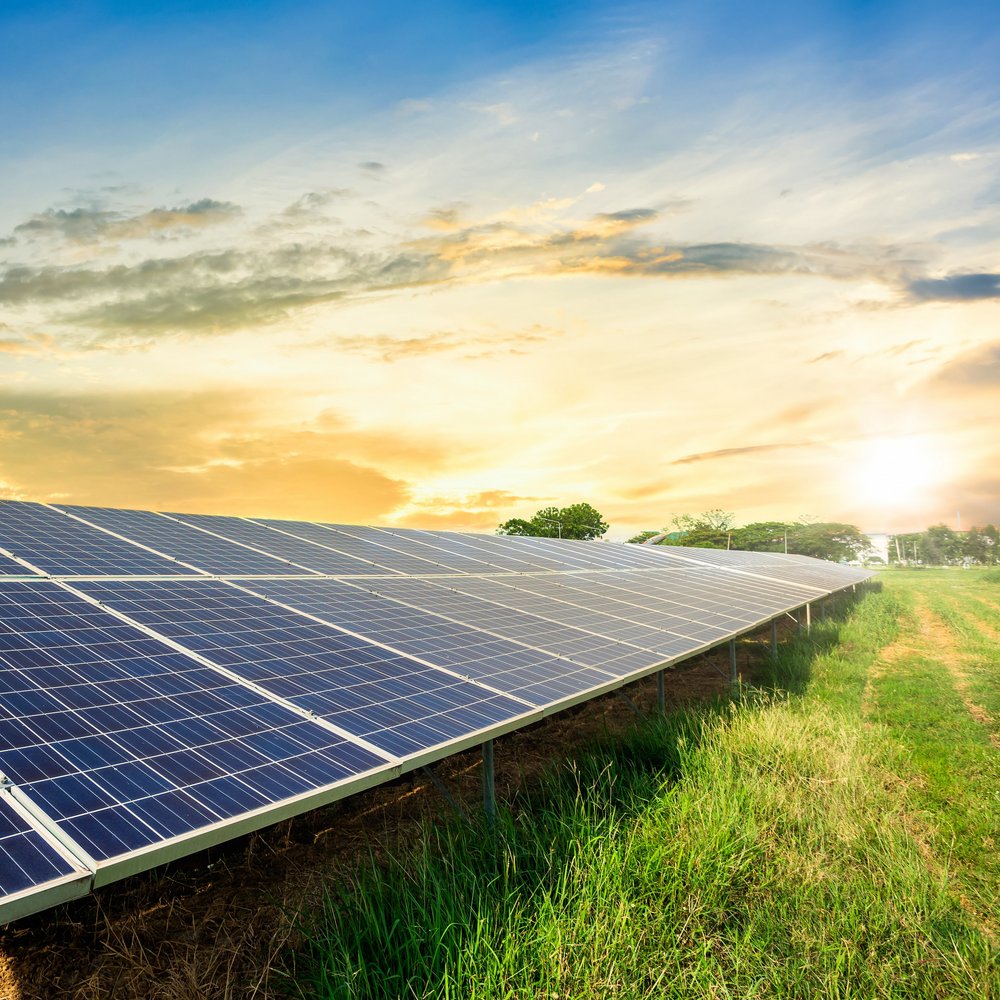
(878, 547)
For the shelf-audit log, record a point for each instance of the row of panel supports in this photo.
(802, 620)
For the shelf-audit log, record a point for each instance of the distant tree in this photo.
(578, 520)
(761, 536)
(827, 540)
(711, 520)
(716, 529)
(980, 545)
(710, 530)
(940, 546)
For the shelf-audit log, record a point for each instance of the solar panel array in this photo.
(170, 681)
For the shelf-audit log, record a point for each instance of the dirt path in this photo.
(933, 640)
(940, 639)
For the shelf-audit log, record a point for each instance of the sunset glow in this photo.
(443, 266)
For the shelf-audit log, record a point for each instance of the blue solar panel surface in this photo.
(204, 551)
(125, 742)
(399, 704)
(60, 545)
(534, 675)
(268, 537)
(156, 706)
(27, 859)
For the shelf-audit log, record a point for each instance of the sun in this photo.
(896, 472)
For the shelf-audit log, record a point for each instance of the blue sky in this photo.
(443, 264)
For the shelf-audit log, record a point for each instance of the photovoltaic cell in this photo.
(397, 704)
(499, 550)
(555, 638)
(535, 676)
(126, 743)
(285, 546)
(385, 559)
(180, 541)
(404, 542)
(62, 546)
(27, 859)
(494, 560)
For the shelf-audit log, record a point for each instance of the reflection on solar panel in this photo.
(182, 679)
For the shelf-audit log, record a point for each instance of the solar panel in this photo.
(533, 675)
(556, 638)
(390, 700)
(489, 559)
(404, 543)
(125, 743)
(207, 552)
(270, 538)
(60, 545)
(34, 872)
(383, 557)
(186, 678)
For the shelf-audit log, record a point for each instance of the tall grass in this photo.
(748, 849)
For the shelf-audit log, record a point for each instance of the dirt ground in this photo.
(214, 925)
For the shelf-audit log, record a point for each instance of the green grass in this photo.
(759, 848)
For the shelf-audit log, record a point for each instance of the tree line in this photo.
(938, 545)
(717, 529)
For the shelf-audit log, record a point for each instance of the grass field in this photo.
(832, 833)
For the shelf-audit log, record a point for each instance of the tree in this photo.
(578, 520)
(827, 540)
(709, 530)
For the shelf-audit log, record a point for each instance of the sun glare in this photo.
(896, 472)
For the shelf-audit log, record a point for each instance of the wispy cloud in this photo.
(956, 288)
(90, 225)
(709, 456)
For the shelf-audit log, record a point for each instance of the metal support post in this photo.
(489, 784)
(774, 636)
(733, 677)
(661, 692)
(628, 701)
(808, 618)
(445, 794)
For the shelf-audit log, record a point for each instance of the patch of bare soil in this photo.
(939, 637)
(215, 925)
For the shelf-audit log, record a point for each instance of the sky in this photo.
(439, 265)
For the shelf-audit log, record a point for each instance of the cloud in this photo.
(472, 346)
(979, 368)
(708, 456)
(200, 452)
(212, 292)
(39, 345)
(373, 167)
(956, 288)
(218, 291)
(89, 225)
(826, 356)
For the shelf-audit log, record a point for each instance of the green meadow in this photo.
(829, 832)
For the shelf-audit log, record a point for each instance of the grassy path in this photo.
(935, 692)
(833, 836)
